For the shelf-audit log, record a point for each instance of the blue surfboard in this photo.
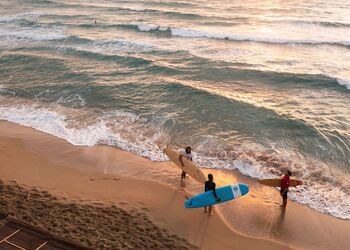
(226, 193)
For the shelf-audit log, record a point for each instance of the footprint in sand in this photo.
(110, 178)
(104, 178)
(145, 209)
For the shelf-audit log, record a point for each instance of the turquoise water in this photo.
(258, 86)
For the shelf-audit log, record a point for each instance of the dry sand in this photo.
(104, 197)
(93, 225)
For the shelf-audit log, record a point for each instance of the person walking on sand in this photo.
(285, 182)
(208, 186)
(187, 153)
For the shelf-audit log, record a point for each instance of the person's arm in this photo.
(180, 159)
(214, 193)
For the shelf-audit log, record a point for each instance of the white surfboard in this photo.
(189, 167)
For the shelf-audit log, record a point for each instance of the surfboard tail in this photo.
(244, 189)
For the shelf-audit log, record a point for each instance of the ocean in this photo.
(254, 86)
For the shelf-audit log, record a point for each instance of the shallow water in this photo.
(254, 86)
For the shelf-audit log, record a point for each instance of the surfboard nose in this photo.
(244, 188)
(188, 203)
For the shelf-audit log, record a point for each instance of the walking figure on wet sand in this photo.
(187, 153)
(285, 183)
(210, 185)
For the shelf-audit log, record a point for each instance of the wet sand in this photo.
(61, 188)
(101, 197)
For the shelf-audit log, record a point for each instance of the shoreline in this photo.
(42, 166)
(83, 174)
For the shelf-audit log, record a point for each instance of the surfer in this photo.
(210, 185)
(285, 182)
(188, 155)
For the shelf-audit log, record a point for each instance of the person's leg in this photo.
(282, 196)
(183, 174)
(285, 199)
(210, 210)
(205, 209)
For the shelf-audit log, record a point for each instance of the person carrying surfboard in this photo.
(210, 185)
(285, 182)
(187, 153)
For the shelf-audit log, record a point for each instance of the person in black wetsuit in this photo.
(210, 185)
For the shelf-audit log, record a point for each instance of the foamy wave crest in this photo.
(115, 128)
(38, 34)
(30, 15)
(110, 46)
(321, 23)
(345, 83)
(192, 33)
(151, 27)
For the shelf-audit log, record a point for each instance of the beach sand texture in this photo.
(103, 197)
(93, 225)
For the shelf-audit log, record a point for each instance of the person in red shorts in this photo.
(285, 182)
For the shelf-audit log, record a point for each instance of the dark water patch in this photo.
(166, 13)
(163, 3)
(47, 2)
(65, 16)
(76, 39)
(320, 23)
(194, 68)
(126, 64)
(279, 80)
(203, 110)
(33, 69)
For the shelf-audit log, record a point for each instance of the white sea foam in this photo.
(6, 91)
(150, 27)
(75, 100)
(108, 47)
(193, 33)
(15, 31)
(121, 45)
(37, 34)
(28, 15)
(344, 82)
(323, 189)
(106, 130)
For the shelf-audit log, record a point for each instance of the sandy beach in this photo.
(103, 197)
